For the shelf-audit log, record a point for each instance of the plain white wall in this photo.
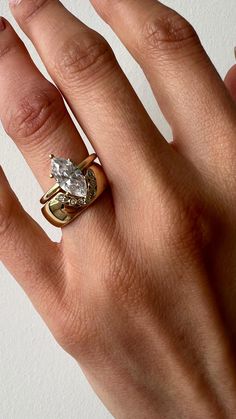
(37, 379)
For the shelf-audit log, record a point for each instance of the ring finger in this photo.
(32, 109)
(83, 66)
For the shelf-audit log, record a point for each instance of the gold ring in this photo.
(77, 187)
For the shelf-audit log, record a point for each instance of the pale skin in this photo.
(141, 290)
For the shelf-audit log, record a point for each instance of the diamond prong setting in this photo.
(78, 187)
(71, 201)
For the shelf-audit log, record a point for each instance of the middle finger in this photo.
(185, 83)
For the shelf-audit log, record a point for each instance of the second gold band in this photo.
(61, 207)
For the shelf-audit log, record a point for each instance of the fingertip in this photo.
(230, 81)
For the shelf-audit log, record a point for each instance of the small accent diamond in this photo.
(73, 201)
(63, 198)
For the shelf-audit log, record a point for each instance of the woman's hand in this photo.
(141, 290)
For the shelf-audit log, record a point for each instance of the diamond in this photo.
(63, 198)
(69, 177)
(73, 202)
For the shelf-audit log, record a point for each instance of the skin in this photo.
(141, 290)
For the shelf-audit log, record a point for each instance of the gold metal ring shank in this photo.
(58, 213)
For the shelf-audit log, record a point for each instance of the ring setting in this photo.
(77, 186)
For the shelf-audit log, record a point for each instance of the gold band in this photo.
(61, 208)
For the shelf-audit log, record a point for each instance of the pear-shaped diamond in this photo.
(69, 177)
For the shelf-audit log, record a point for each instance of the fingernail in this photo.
(14, 2)
(2, 24)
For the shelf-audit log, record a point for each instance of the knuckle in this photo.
(36, 115)
(167, 32)
(73, 326)
(84, 59)
(30, 9)
(184, 225)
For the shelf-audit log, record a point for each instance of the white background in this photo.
(37, 379)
